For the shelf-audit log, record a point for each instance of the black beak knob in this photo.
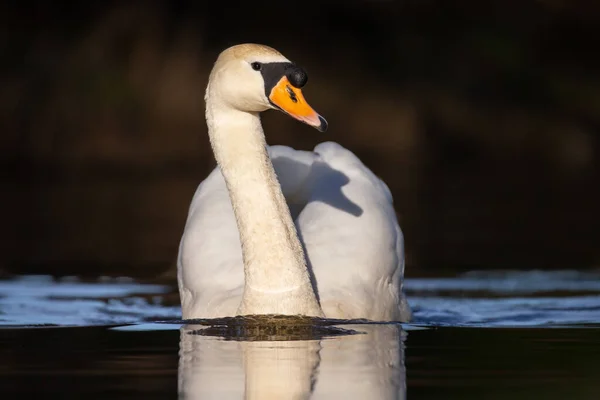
(297, 76)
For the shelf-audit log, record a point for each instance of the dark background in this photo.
(482, 117)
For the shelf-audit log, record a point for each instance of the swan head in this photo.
(256, 78)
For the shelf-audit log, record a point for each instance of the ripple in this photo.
(42, 300)
(507, 298)
(481, 299)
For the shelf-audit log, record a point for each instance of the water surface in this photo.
(480, 335)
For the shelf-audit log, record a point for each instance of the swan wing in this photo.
(210, 266)
(352, 238)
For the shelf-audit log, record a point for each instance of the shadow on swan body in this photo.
(273, 230)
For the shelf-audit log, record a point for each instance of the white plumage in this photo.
(342, 213)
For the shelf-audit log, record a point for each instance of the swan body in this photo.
(273, 230)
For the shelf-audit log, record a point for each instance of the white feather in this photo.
(345, 218)
(343, 215)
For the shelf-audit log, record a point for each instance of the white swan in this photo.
(241, 251)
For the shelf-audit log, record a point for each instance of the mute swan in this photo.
(242, 251)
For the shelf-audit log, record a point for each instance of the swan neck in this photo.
(277, 280)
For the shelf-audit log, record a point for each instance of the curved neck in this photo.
(276, 277)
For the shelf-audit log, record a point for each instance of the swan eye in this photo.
(256, 66)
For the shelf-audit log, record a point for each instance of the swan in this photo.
(273, 230)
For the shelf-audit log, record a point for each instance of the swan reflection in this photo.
(362, 361)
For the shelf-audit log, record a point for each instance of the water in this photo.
(481, 335)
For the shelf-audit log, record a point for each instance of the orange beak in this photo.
(291, 101)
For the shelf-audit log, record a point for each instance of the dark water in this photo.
(480, 335)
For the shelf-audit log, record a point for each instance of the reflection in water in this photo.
(223, 359)
(367, 362)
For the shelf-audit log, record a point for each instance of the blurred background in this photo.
(482, 117)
